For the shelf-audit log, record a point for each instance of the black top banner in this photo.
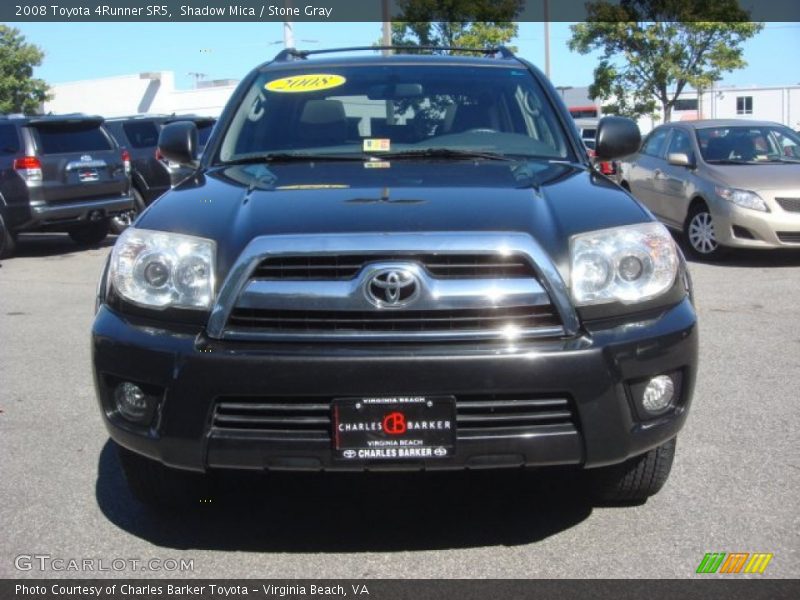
(395, 10)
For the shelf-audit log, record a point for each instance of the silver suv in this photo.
(724, 183)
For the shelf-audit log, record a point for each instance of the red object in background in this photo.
(607, 167)
(27, 162)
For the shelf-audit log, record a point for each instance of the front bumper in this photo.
(740, 227)
(190, 373)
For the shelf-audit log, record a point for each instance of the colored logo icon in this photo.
(394, 423)
(734, 562)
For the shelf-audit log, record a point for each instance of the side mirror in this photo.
(178, 142)
(680, 159)
(617, 137)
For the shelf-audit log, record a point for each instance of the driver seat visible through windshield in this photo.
(322, 123)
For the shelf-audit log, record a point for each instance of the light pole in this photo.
(288, 29)
(546, 39)
(386, 38)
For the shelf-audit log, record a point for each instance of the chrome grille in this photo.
(521, 317)
(456, 286)
(789, 204)
(339, 267)
(477, 415)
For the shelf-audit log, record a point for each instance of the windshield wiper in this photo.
(788, 161)
(445, 153)
(292, 157)
(729, 161)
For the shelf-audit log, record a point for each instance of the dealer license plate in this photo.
(394, 427)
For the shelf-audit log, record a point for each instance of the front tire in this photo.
(700, 234)
(122, 221)
(91, 233)
(636, 479)
(156, 485)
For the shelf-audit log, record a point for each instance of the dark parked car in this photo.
(60, 173)
(152, 175)
(395, 262)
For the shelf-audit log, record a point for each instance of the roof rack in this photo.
(293, 53)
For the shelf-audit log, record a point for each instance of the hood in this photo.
(547, 200)
(783, 176)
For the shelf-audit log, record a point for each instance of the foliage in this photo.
(20, 92)
(653, 49)
(461, 23)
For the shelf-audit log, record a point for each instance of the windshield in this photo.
(381, 109)
(749, 144)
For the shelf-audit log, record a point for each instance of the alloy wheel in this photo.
(701, 233)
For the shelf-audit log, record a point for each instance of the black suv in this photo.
(152, 174)
(60, 173)
(395, 262)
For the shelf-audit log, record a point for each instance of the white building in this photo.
(151, 92)
(780, 104)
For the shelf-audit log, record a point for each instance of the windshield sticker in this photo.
(377, 145)
(305, 83)
(377, 164)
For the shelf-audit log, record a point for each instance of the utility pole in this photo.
(288, 29)
(386, 39)
(546, 39)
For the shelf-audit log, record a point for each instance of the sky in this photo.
(76, 51)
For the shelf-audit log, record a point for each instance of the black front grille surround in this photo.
(347, 266)
(309, 418)
(789, 237)
(789, 204)
(521, 317)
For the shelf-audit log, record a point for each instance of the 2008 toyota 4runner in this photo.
(395, 262)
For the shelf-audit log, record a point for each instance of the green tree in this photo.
(462, 23)
(20, 92)
(653, 49)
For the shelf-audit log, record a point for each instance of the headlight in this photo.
(626, 264)
(159, 269)
(742, 198)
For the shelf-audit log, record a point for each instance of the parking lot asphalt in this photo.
(734, 486)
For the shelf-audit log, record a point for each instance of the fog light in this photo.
(131, 402)
(658, 394)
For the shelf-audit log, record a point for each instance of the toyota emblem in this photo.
(349, 453)
(392, 287)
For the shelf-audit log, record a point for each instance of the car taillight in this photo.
(126, 162)
(29, 168)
